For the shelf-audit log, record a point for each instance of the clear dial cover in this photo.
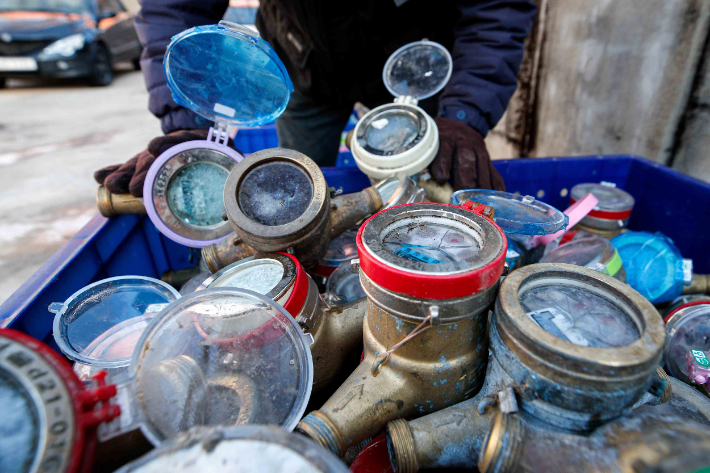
(222, 356)
(610, 198)
(689, 332)
(418, 70)
(579, 316)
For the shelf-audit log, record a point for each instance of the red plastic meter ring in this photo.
(51, 416)
(432, 251)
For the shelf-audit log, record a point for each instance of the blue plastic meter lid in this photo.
(654, 265)
(516, 214)
(227, 73)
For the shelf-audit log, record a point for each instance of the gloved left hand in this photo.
(463, 155)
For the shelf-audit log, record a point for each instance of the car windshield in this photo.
(68, 6)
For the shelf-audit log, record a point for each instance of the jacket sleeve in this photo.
(156, 23)
(488, 49)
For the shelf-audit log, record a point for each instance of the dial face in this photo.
(195, 194)
(275, 193)
(691, 331)
(391, 134)
(19, 423)
(432, 240)
(261, 276)
(578, 316)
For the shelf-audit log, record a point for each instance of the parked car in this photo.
(65, 38)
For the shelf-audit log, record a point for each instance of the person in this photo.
(334, 52)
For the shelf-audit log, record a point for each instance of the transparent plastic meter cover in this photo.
(344, 285)
(393, 131)
(653, 264)
(593, 252)
(516, 214)
(577, 315)
(19, 425)
(99, 326)
(226, 73)
(223, 356)
(689, 332)
(610, 198)
(418, 70)
(275, 193)
(258, 275)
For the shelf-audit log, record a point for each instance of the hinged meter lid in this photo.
(100, 324)
(516, 214)
(227, 74)
(418, 70)
(224, 356)
(654, 265)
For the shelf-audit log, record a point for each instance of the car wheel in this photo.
(102, 73)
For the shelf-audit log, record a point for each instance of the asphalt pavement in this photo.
(53, 136)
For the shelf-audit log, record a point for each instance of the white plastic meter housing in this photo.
(400, 138)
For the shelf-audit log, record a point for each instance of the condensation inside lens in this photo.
(391, 134)
(432, 240)
(260, 277)
(275, 193)
(19, 422)
(578, 316)
(195, 194)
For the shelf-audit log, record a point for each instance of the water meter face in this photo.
(275, 193)
(344, 285)
(223, 356)
(432, 240)
(392, 131)
(687, 330)
(268, 274)
(579, 316)
(19, 426)
(195, 194)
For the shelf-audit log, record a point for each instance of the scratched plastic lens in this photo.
(578, 316)
(275, 193)
(19, 438)
(431, 240)
(195, 194)
(261, 276)
(391, 134)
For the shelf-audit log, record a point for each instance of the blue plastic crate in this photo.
(666, 201)
(249, 140)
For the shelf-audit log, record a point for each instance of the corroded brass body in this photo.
(112, 205)
(309, 235)
(225, 252)
(436, 368)
(700, 284)
(570, 390)
(337, 332)
(180, 277)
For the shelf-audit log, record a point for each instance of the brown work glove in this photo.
(129, 177)
(462, 152)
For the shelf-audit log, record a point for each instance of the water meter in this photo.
(429, 272)
(343, 286)
(232, 449)
(228, 75)
(223, 356)
(277, 200)
(98, 326)
(336, 331)
(50, 417)
(400, 138)
(590, 251)
(611, 214)
(688, 328)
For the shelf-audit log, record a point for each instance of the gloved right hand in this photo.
(130, 176)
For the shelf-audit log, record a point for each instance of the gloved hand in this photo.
(462, 152)
(129, 177)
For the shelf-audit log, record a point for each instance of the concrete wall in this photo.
(132, 5)
(612, 77)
